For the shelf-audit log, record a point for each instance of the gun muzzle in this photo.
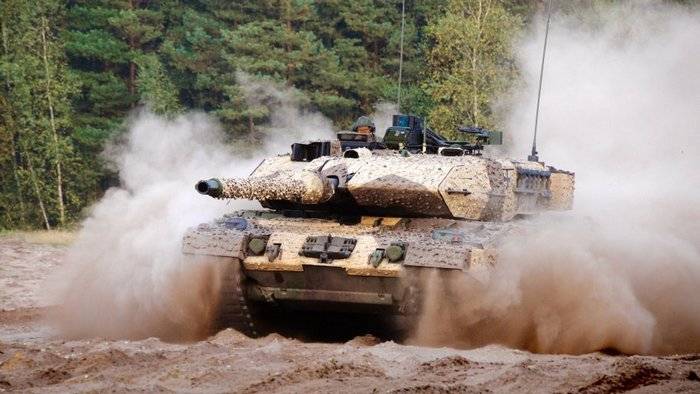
(210, 187)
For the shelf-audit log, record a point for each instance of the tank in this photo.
(349, 227)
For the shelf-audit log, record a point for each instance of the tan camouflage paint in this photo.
(476, 249)
(474, 196)
(562, 188)
(465, 187)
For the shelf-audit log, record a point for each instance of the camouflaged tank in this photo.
(350, 225)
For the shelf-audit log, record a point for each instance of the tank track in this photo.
(235, 310)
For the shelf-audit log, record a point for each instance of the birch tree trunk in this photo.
(52, 121)
(287, 48)
(35, 184)
(20, 197)
(475, 55)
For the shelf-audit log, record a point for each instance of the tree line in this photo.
(71, 71)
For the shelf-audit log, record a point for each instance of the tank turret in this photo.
(388, 183)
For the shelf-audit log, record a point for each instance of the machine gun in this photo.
(408, 132)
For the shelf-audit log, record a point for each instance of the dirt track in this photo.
(34, 358)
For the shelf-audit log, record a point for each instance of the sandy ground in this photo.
(34, 358)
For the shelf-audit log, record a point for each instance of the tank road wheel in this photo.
(235, 310)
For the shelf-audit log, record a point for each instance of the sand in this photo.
(34, 357)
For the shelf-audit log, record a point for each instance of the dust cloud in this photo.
(383, 116)
(620, 107)
(125, 275)
(291, 116)
(125, 271)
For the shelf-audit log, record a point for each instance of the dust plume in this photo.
(383, 116)
(124, 270)
(125, 275)
(291, 116)
(620, 108)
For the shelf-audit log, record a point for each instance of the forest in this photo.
(72, 71)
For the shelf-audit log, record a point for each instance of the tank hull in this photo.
(288, 275)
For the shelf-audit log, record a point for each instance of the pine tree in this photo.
(99, 60)
(138, 23)
(278, 47)
(155, 87)
(107, 42)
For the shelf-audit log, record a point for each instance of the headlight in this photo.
(395, 252)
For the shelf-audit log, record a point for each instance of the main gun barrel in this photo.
(305, 188)
(210, 187)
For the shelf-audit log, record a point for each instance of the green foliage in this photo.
(39, 189)
(154, 87)
(66, 93)
(470, 62)
(96, 45)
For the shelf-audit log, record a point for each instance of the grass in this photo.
(50, 237)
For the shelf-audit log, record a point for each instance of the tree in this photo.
(99, 59)
(470, 63)
(36, 108)
(278, 48)
(72, 71)
(154, 87)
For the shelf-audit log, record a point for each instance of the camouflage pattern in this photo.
(440, 243)
(281, 278)
(460, 187)
(412, 214)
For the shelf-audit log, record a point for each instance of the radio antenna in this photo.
(533, 156)
(403, 24)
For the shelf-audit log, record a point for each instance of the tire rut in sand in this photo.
(332, 369)
(628, 375)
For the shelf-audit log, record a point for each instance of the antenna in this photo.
(403, 24)
(533, 156)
